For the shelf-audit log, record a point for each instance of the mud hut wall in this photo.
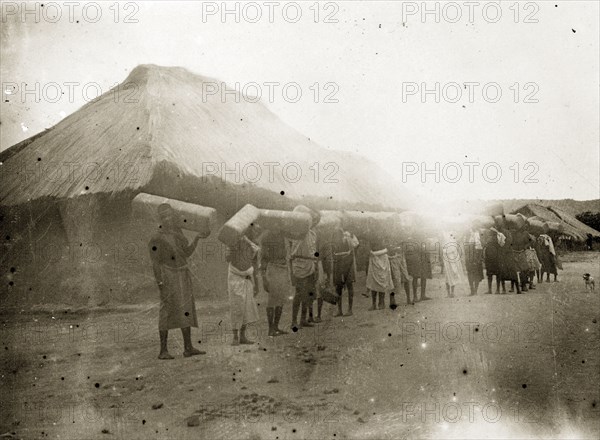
(65, 263)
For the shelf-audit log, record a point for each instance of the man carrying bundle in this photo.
(492, 254)
(508, 267)
(169, 251)
(276, 283)
(399, 269)
(523, 262)
(241, 284)
(418, 263)
(473, 259)
(303, 258)
(451, 262)
(379, 274)
(344, 266)
(548, 259)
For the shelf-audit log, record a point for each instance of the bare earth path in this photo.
(490, 366)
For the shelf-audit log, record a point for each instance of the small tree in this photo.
(592, 219)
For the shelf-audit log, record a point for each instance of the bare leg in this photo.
(350, 288)
(296, 304)
(415, 283)
(306, 305)
(271, 320)
(304, 313)
(339, 289)
(393, 301)
(423, 287)
(243, 338)
(319, 309)
(309, 304)
(489, 280)
(373, 300)
(164, 353)
(188, 348)
(471, 284)
(406, 285)
(276, 318)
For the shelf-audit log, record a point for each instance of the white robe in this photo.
(451, 256)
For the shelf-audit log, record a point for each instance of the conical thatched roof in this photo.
(571, 225)
(161, 119)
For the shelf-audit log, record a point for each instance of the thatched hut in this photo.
(573, 230)
(68, 235)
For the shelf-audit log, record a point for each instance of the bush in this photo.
(592, 219)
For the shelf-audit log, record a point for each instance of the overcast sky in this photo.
(371, 55)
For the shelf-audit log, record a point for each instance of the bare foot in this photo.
(164, 355)
(192, 352)
(246, 342)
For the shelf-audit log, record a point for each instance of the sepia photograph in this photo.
(300, 220)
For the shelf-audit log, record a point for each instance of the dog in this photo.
(589, 281)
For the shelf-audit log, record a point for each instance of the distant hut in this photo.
(573, 231)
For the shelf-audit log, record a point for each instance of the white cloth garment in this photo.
(379, 278)
(476, 239)
(451, 256)
(240, 287)
(547, 240)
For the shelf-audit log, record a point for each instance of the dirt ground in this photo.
(490, 366)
